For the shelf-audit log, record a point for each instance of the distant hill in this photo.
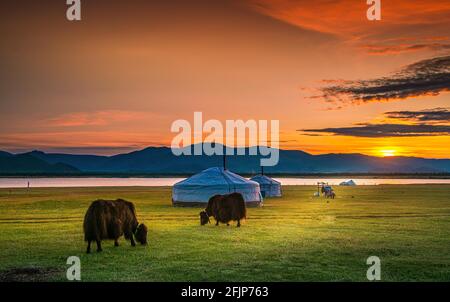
(81, 162)
(5, 154)
(26, 163)
(160, 160)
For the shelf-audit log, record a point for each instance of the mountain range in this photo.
(161, 160)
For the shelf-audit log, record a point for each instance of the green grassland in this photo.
(293, 238)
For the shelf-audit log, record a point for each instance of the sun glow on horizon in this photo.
(387, 152)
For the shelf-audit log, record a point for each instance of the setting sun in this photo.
(387, 152)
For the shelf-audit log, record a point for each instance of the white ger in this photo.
(199, 188)
(269, 186)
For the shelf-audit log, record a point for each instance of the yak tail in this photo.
(242, 208)
(239, 210)
(94, 225)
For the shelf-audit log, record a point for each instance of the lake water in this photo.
(155, 182)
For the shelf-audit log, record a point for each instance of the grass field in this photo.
(294, 238)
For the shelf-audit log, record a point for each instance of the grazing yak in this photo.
(225, 208)
(110, 219)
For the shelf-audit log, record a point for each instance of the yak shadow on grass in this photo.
(30, 274)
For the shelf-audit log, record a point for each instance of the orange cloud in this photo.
(416, 20)
(98, 118)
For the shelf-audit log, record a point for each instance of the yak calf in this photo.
(225, 208)
(110, 219)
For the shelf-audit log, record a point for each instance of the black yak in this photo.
(110, 219)
(225, 208)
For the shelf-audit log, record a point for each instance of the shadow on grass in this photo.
(30, 274)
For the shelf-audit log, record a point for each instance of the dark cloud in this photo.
(427, 77)
(401, 48)
(384, 130)
(436, 115)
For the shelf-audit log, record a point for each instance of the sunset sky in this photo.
(115, 81)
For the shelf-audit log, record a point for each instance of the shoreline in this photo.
(275, 175)
(33, 183)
